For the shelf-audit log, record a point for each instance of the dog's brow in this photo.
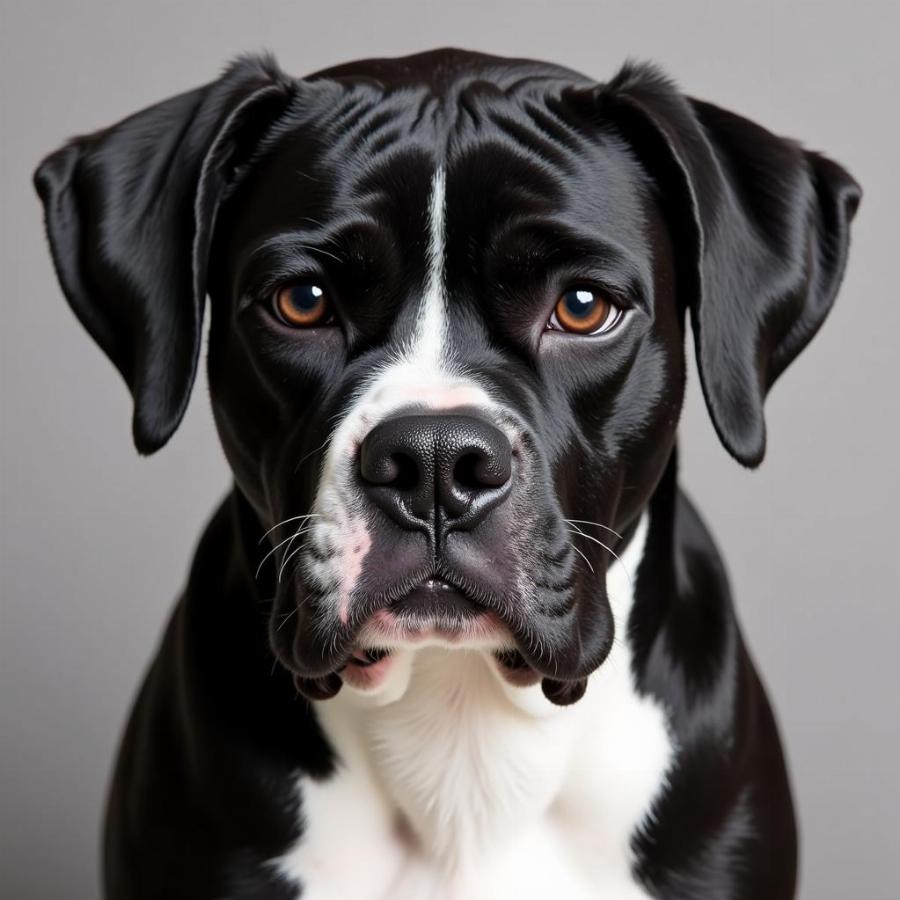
(538, 243)
(281, 257)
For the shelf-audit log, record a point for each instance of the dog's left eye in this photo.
(583, 310)
(303, 304)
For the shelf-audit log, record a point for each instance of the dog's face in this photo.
(446, 330)
(446, 356)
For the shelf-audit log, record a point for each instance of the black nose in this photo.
(444, 471)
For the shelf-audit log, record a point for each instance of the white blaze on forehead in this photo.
(423, 373)
(429, 343)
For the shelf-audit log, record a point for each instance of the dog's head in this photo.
(446, 352)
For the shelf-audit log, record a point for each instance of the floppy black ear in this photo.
(129, 214)
(761, 228)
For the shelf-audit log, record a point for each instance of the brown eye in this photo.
(584, 311)
(302, 305)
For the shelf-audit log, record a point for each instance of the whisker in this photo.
(287, 616)
(292, 519)
(291, 553)
(273, 550)
(287, 540)
(306, 456)
(588, 522)
(584, 558)
(609, 550)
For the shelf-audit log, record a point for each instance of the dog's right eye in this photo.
(303, 304)
(583, 310)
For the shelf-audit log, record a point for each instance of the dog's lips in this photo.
(435, 598)
(367, 657)
(409, 622)
(515, 669)
(366, 668)
(433, 612)
(416, 619)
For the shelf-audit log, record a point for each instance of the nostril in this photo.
(465, 472)
(478, 470)
(397, 470)
(407, 472)
(377, 468)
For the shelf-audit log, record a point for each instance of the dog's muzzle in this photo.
(440, 493)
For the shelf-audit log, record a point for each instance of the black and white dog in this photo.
(455, 633)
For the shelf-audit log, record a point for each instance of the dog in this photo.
(455, 632)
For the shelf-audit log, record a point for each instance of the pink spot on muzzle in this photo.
(354, 545)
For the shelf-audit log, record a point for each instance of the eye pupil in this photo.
(302, 305)
(580, 303)
(306, 296)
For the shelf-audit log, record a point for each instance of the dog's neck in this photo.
(467, 762)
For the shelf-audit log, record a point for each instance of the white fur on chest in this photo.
(454, 784)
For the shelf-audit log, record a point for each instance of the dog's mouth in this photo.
(363, 657)
(437, 600)
(434, 612)
(368, 667)
(546, 636)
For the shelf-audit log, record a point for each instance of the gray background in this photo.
(96, 541)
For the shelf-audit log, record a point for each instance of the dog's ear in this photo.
(129, 214)
(761, 230)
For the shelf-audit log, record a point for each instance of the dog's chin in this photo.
(361, 651)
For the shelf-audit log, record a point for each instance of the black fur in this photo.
(673, 205)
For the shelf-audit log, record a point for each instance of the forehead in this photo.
(525, 165)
